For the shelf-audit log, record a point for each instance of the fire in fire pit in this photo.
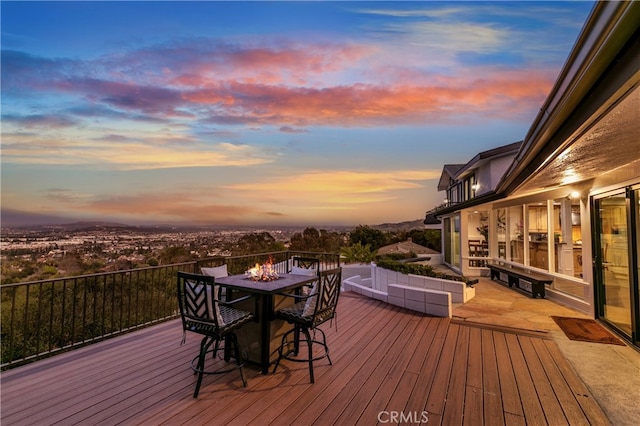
(264, 272)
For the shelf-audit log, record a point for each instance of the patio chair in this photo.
(215, 319)
(218, 272)
(307, 314)
(298, 262)
(308, 266)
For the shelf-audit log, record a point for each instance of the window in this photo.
(538, 235)
(516, 234)
(454, 194)
(456, 240)
(446, 228)
(478, 235)
(467, 188)
(501, 231)
(567, 237)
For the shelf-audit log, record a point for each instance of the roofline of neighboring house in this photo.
(491, 153)
(604, 48)
(450, 170)
(455, 171)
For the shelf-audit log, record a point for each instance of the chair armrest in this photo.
(296, 296)
(234, 301)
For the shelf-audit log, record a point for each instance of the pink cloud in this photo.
(264, 64)
(231, 84)
(366, 104)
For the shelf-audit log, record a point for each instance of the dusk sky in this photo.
(301, 113)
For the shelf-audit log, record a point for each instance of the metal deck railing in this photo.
(42, 318)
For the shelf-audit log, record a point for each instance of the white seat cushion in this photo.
(310, 304)
(296, 270)
(218, 272)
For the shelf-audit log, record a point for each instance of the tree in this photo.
(174, 254)
(313, 240)
(358, 253)
(262, 242)
(331, 242)
(308, 240)
(433, 239)
(425, 237)
(366, 235)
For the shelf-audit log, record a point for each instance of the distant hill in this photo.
(401, 226)
(89, 225)
(16, 218)
(19, 219)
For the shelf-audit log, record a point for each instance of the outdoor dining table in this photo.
(261, 339)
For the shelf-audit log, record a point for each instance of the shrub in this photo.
(417, 269)
(396, 256)
(358, 253)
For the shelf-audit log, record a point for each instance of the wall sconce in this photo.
(475, 187)
(573, 195)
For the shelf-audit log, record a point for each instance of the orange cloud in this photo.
(141, 152)
(497, 94)
(309, 195)
(331, 189)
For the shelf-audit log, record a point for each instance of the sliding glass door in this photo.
(616, 266)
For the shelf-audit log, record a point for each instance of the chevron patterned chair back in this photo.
(310, 311)
(216, 320)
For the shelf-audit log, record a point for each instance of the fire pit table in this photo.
(261, 339)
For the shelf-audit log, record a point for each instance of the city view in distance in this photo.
(38, 252)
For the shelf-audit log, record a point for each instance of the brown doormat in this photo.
(586, 330)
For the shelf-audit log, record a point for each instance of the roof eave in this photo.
(484, 198)
(609, 27)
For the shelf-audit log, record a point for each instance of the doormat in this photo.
(586, 330)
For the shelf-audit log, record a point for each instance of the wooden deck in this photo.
(386, 362)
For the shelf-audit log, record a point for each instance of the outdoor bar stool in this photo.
(305, 264)
(216, 320)
(308, 266)
(307, 314)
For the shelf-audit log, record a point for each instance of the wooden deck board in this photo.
(473, 412)
(492, 396)
(552, 410)
(377, 390)
(352, 343)
(296, 378)
(474, 360)
(438, 391)
(508, 388)
(563, 393)
(418, 397)
(531, 407)
(385, 360)
(454, 403)
(345, 386)
(590, 407)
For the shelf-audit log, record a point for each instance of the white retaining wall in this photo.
(433, 296)
(381, 278)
